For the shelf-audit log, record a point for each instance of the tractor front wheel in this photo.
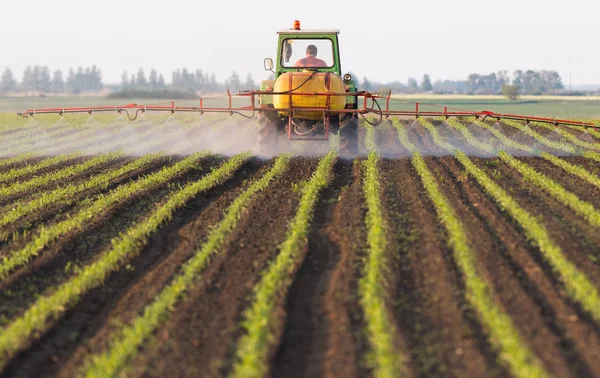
(348, 135)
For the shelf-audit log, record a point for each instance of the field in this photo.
(167, 247)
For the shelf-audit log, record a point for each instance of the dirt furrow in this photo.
(578, 240)
(199, 338)
(521, 287)
(87, 327)
(62, 258)
(442, 334)
(572, 183)
(303, 345)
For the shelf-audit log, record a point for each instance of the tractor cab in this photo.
(309, 49)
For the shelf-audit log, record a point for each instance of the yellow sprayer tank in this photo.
(319, 82)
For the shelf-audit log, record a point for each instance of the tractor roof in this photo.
(309, 31)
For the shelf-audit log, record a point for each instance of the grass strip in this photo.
(67, 195)
(259, 319)
(15, 173)
(502, 335)
(48, 309)
(384, 359)
(578, 287)
(101, 205)
(54, 177)
(126, 345)
(582, 208)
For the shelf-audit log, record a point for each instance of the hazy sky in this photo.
(383, 40)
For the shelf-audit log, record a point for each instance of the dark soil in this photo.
(505, 261)
(320, 329)
(303, 348)
(201, 340)
(90, 316)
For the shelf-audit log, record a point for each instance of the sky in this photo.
(382, 40)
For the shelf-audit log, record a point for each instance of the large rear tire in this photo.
(348, 135)
(267, 133)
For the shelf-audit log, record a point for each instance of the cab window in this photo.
(294, 53)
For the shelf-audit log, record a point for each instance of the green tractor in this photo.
(309, 98)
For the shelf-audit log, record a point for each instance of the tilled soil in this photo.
(196, 336)
(319, 328)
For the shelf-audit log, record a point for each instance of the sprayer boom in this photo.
(367, 103)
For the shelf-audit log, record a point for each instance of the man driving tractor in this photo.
(311, 59)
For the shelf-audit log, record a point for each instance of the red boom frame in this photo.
(363, 108)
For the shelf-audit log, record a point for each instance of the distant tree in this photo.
(552, 80)
(200, 79)
(518, 78)
(153, 80)
(161, 82)
(426, 83)
(233, 82)
(140, 80)
(366, 84)
(70, 82)
(510, 91)
(132, 81)
(125, 80)
(249, 83)
(503, 78)
(28, 83)
(412, 84)
(57, 85)
(8, 83)
(96, 79)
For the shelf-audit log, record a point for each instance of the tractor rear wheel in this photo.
(267, 133)
(348, 135)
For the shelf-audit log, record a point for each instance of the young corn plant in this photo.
(131, 337)
(58, 176)
(48, 309)
(385, 360)
(254, 346)
(512, 352)
(100, 206)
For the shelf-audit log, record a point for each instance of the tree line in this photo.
(39, 79)
(184, 79)
(89, 79)
(522, 82)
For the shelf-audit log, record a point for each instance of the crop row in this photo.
(386, 361)
(570, 137)
(537, 178)
(68, 194)
(58, 176)
(253, 347)
(502, 334)
(131, 336)
(576, 283)
(101, 205)
(48, 309)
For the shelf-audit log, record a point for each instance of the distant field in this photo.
(545, 106)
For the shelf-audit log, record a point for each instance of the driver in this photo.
(311, 59)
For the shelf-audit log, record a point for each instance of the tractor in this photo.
(306, 98)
